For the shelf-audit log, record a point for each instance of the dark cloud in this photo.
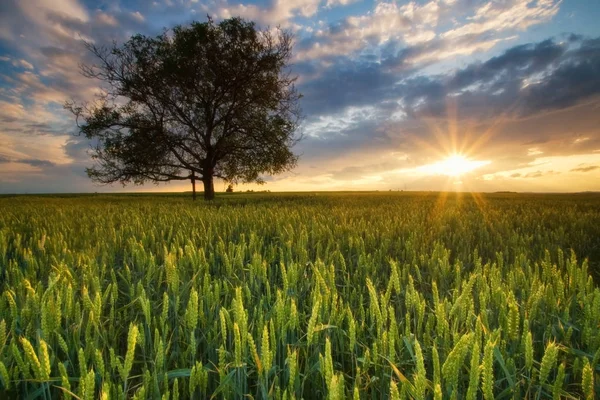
(525, 80)
(346, 83)
(538, 174)
(368, 79)
(515, 63)
(586, 169)
(576, 79)
(54, 52)
(57, 179)
(37, 163)
(8, 119)
(77, 148)
(522, 81)
(30, 161)
(361, 137)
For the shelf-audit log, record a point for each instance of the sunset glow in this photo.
(455, 165)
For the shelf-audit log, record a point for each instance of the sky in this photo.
(464, 95)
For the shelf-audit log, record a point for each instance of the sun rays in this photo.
(454, 166)
(458, 150)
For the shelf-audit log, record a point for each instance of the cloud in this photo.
(534, 151)
(76, 148)
(504, 15)
(20, 20)
(575, 79)
(275, 13)
(17, 63)
(24, 64)
(335, 3)
(347, 83)
(514, 63)
(137, 16)
(416, 24)
(29, 161)
(524, 80)
(538, 174)
(36, 163)
(586, 169)
(106, 19)
(410, 24)
(369, 58)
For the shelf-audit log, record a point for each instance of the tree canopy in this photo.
(199, 101)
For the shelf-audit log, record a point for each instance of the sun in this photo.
(455, 165)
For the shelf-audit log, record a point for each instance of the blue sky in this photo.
(420, 95)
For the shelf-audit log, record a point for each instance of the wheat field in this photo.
(300, 296)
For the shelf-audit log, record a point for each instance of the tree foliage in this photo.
(204, 100)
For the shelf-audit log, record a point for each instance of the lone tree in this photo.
(202, 101)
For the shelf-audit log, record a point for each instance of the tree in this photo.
(201, 101)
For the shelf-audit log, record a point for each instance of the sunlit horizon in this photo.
(455, 165)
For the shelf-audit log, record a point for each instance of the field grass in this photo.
(322, 295)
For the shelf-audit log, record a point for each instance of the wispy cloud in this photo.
(505, 15)
(586, 169)
(276, 12)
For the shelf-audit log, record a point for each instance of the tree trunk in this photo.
(193, 185)
(209, 187)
